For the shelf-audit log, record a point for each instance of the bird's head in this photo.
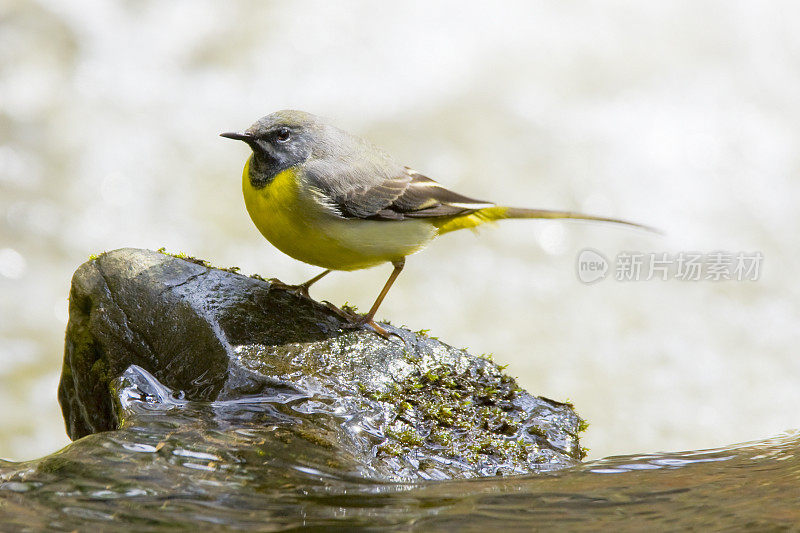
(279, 141)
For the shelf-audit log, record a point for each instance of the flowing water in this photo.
(234, 465)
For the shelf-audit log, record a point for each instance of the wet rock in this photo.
(409, 407)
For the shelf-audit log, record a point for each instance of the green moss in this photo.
(583, 425)
(185, 257)
(424, 333)
(380, 396)
(201, 262)
(410, 358)
(391, 396)
(445, 414)
(99, 371)
(539, 432)
(430, 376)
(408, 437)
(347, 307)
(441, 436)
(465, 415)
(390, 448)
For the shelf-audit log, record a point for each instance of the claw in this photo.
(352, 320)
(297, 290)
(379, 330)
(347, 315)
(359, 322)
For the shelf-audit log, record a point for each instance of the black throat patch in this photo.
(263, 170)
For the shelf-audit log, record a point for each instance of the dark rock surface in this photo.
(409, 407)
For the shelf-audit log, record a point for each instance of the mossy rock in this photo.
(407, 407)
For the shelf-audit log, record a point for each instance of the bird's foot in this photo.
(358, 322)
(298, 290)
(355, 321)
(344, 311)
(379, 330)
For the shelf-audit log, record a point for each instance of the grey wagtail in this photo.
(334, 200)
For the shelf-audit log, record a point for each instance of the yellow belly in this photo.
(295, 223)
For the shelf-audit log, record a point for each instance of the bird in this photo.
(331, 199)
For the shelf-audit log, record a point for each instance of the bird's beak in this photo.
(246, 137)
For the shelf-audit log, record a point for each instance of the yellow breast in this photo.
(293, 220)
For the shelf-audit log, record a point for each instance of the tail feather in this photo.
(491, 214)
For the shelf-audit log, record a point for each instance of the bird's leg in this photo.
(302, 289)
(368, 318)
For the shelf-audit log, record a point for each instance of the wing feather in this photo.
(410, 195)
(367, 202)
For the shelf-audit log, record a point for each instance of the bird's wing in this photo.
(407, 195)
(424, 198)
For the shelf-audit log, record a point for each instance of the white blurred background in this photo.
(682, 115)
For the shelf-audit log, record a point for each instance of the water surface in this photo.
(236, 465)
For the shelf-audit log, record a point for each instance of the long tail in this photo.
(490, 214)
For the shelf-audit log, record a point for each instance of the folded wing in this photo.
(409, 195)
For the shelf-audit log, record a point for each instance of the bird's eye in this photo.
(283, 135)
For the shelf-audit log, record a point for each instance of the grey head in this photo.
(279, 141)
(289, 138)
